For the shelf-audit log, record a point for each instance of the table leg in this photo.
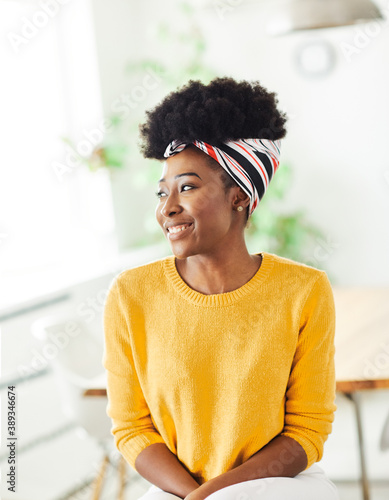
(353, 397)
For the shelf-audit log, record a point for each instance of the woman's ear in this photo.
(241, 199)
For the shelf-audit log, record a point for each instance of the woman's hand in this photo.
(197, 494)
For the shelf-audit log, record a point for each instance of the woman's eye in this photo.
(161, 194)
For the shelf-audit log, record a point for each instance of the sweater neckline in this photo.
(219, 299)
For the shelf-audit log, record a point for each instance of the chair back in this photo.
(77, 366)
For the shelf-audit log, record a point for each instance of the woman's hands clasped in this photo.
(197, 494)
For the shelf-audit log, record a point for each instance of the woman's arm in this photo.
(310, 394)
(135, 435)
(281, 457)
(160, 466)
(132, 425)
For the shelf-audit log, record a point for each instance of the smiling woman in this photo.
(220, 364)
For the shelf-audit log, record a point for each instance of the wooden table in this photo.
(362, 351)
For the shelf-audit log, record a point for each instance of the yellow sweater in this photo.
(216, 377)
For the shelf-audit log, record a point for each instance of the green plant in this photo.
(112, 153)
(288, 234)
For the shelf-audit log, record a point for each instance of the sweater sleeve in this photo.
(132, 426)
(310, 394)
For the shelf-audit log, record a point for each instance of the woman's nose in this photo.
(170, 206)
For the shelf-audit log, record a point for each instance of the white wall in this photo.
(118, 28)
(337, 139)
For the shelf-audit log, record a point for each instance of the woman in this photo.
(220, 363)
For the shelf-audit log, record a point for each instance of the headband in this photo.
(250, 162)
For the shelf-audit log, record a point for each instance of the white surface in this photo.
(26, 290)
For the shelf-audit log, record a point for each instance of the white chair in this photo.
(77, 365)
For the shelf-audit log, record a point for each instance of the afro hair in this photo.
(221, 111)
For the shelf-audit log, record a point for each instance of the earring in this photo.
(240, 208)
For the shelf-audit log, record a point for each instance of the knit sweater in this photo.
(216, 377)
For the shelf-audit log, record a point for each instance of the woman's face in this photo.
(192, 195)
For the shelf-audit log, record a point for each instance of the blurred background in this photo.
(77, 204)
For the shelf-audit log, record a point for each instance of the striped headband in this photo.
(250, 162)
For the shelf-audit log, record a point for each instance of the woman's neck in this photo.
(213, 275)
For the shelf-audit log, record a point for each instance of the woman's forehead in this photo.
(187, 161)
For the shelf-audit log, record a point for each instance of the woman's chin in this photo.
(180, 253)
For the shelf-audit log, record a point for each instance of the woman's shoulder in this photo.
(298, 279)
(142, 274)
(290, 263)
(285, 267)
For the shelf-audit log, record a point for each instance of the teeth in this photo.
(177, 229)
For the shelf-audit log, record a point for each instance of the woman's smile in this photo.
(179, 231)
